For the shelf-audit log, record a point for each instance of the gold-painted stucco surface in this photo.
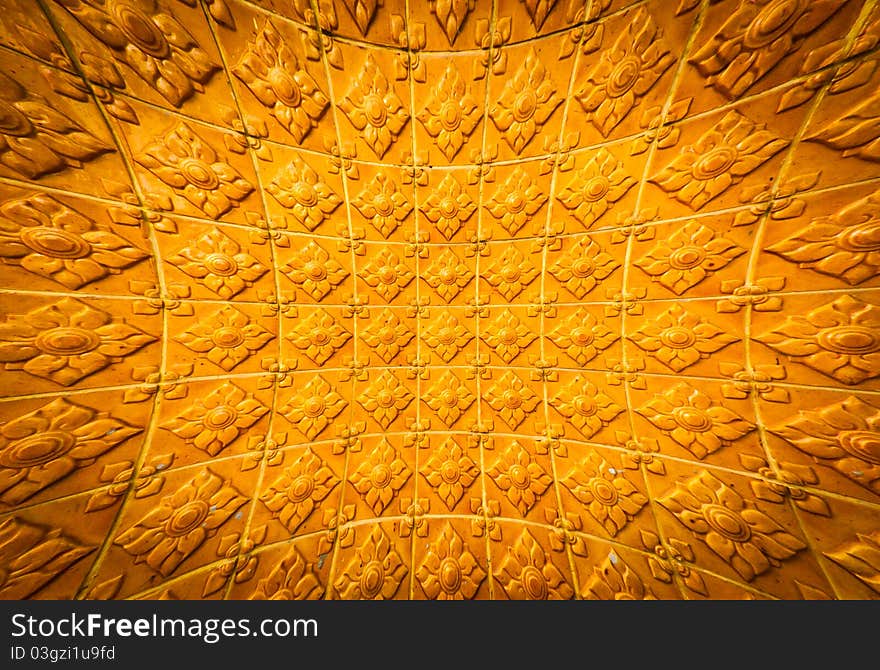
(359, 299)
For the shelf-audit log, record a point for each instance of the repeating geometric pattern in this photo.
(495, 299)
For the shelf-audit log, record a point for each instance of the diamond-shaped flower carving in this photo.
(527, 573)
(511, 273)
(512, 399)
(446, 335)
(374, 109)
(51, 240)
(382, 204)
(755, 38)
(319, 336)
(507, 336)
(843, 435)
(375, 572)
(684, 259)
(840, 339)
(450, 471)
(67, 341)
(449, 570)
(516, 201)
(610, 498)
(521, 478)
(226, 337)
(314, 271)
(694, 420)
(527, 101)
(678, 338)
(586, 408)
(300, 189)
(731, 526)
(148, 37)
(37, 139)
(595, 187)
(216, 261)
(180, 523)
(380, 476)
(33, 556)
(387, 335)
(582, 336)
(719, 159)
(215, 421)
(451, 114)
(583, 266)
(447, 275)
(448, 206)
(449, 397)
(625, 72)
(272, 72)
(42, 447)
(844, 245)
(291, 579)
(193, 170)
(385, 397)
(386, 274)
(299, 490)
(314, 406)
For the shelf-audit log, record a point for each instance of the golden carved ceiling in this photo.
(441, 299)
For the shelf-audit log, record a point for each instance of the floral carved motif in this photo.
(449, 571)
(451, 114)
(731, 526)
(375, 572)
(527, 102)
(194, 170)
(42, 447)
(273, 73)
(527, 573)
(51, 240)
(383, 204)
(380, 476)
(692, 253)
(214, 422)
(300, 189)
(625, 73)
(373, 108)
(450, 471)
(595, 187)
(67, 341)
(719, 159)
(755, 38)
(180, 523)
(679, 338)
(148, 37)
(694, 420)
(293, 496)
(522, 479)
(227, 338)
(218, 262)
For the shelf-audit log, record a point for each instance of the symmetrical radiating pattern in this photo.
(454, 299)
